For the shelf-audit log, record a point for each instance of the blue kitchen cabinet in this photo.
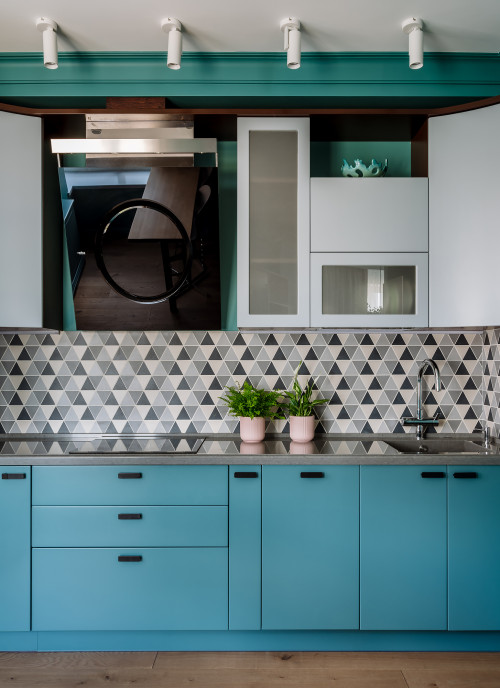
(15, 504)
(310, 547)
(139, 548)
(474, 548)
(245, 525)
(403, 568)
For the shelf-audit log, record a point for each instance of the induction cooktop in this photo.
(103, 445)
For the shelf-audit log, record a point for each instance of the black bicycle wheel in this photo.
(139, 203)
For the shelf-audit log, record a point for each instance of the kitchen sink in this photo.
(438, 446)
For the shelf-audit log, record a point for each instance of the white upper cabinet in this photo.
(273, 222)
(379, 215)
(20, 221)
(464, 212)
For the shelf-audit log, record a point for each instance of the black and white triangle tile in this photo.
(170, 382)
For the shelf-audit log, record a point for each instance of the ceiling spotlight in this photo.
(414, 28)
(291, 29)
(174, 29)
(49, 38)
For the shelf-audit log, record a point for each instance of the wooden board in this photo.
(175, 188)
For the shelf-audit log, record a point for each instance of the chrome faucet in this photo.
(423, 423)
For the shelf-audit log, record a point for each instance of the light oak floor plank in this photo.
(332, 660)
(120, 678)
(64, 661)
(458, 678)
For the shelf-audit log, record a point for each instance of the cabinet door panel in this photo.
(474, 549)
(351, 215)
(168, 589)
(15, 546)
(273, 222)
(402, 548)
(310, 555)
(464, 206)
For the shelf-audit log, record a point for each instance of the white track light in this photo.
(414, 28)
(174, 29)
(49, 38)
(291, 29)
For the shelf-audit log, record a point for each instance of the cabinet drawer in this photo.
(168, 589)
(131, 485)
(144, 526)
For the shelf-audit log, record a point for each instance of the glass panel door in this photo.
(273, 222)
(369, 290)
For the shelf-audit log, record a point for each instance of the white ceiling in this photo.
(252, 26)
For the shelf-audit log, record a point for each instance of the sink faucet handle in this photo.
(487, 437)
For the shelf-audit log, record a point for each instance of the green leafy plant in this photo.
(299, 399)
(250, 402)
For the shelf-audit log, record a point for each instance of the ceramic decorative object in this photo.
(359, 169)
(302, 428)
(252, 429)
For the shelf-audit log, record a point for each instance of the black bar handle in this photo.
(13, 476)
(312, 474)
(433, 474)
(129, 476)
(465, 474)
(128, 557)
(129, 517)
(246, 474)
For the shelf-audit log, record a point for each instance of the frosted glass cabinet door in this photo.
(273, 222)
(369, 289)
(20, 221)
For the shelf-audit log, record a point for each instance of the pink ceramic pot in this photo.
(302, 428)
(252, 429)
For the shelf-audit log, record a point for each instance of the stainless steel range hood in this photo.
(138, 140)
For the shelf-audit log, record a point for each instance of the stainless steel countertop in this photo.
(82, 450)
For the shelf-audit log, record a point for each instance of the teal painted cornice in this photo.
(259, 75)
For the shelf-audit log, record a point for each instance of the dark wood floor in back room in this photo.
(250, 669)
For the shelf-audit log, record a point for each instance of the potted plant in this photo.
(300, 407)
(251, 405)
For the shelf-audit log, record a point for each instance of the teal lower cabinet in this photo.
(403, 567)
(15, 544)
(310, 547)
(90, 589)
(474, 548)
(245, 548)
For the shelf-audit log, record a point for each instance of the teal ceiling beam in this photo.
(250, 75)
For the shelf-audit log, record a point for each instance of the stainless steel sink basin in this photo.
(437, 446)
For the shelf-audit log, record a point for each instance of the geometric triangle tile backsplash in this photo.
(170, 382)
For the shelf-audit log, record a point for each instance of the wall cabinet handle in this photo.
(129, 517)
(246, 474)
(129, 558)
(433, 474)
(312, 474)
(465, 474)
(129, 476)
(13, 476)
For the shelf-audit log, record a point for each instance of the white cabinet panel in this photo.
(369, 290)
(273, 222)
(20, 221)
(464, 211)
(382, 214)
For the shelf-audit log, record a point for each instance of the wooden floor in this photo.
(250, 669)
